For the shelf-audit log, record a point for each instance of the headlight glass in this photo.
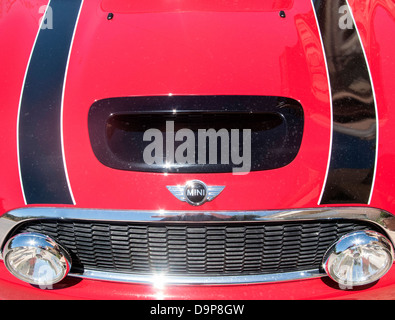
(36, 259)
(359, 258)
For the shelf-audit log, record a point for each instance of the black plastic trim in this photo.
(278, 123)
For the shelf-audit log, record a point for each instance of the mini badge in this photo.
(195, 192)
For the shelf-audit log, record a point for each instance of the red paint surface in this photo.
(196, 53)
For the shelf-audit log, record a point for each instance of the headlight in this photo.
(359, 258)
(36, 259)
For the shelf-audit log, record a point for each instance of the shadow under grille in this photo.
(197, 248)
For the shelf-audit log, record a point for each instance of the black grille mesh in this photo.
(195, 249)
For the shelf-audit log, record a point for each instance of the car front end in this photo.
(197, 150)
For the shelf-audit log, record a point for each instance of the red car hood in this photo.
(196, 52)
(193, 49)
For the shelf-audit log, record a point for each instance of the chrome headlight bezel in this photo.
(36, 259)
(350, 260)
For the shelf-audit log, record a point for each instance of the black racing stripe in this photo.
(40, 147)
(353, 155)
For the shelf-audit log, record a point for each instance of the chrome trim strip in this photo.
(160, 281)
(10, 220)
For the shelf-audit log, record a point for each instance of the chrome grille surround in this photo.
(16, 218)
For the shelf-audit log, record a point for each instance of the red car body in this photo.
(197, 48)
